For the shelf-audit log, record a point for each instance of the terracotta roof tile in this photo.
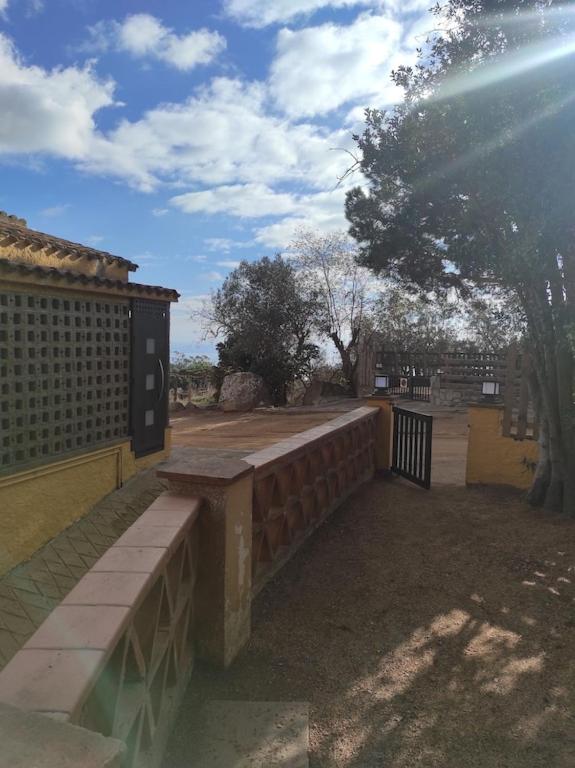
(13, 229)
(64, 275)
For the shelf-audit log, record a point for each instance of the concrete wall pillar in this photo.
(493, 459)
(224, 581)
(435, 382)
(384, 431)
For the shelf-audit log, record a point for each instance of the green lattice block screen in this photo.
(64, 375)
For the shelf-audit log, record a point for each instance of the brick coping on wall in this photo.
(54, 671)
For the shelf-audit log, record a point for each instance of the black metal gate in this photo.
(412, 435)
(408, 387)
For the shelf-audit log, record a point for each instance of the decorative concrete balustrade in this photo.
(299, 481)
(116, 655)
(259, 509)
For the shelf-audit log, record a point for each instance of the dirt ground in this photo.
(427, 629)
(216, 431)
(212, 429)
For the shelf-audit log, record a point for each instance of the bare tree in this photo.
(328, 262)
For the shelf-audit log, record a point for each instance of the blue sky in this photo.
(187, 135)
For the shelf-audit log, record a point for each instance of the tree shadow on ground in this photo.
(432, 630)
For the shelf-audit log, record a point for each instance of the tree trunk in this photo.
(279, 395)
(569, 482)
(348, 365)
(542, 477)
(553, 499)
(566, 422)
(349, 372)
(554, 379)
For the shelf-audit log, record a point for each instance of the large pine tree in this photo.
(471, 181)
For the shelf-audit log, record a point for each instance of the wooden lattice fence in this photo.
(520, 416)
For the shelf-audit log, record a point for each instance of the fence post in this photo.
(435, 383)
(223, 600)
(509, 394)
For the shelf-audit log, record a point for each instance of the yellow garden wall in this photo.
(39, 503)
(493, 459)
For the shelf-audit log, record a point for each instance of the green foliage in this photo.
(471, 183)
(266, 317)
(493, 322)
(415, 323)
(186, 368)
(473, 170)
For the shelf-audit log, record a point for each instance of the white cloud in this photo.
(35, 7)
(185, 328)
(228, 263)
(242, 200)
(146, 258)
(49, 111)
(318, 69)
(261, 13)
(198, 258)
(224, 134)
(214, 277)
(144, 36)
(55, 210)
(225, 244)
(322, 212)
(218, 244)
(225, 144)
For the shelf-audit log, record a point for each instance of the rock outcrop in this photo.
(242, 392)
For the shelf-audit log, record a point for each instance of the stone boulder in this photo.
(320, 391)
(242, 392)
(312, 395)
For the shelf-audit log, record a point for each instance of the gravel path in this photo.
(434, 630)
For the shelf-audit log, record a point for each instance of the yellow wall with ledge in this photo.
(493, 459)
(37, 504)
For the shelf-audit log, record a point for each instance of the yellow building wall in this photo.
(37, 504)
(493, 459)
